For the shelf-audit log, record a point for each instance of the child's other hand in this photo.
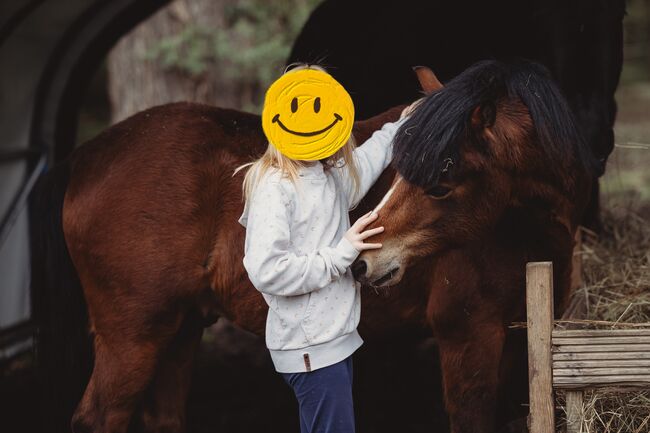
(408, 110)
(356, 234)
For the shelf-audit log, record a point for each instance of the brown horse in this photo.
(492, 174)
(141, 241)
(147, 212)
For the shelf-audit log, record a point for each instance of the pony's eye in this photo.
(439, 191)
(294, 105)
(317, 105)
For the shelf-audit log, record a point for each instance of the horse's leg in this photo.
(127, 351)
(513, 392)
(470, 358)
(164, 406)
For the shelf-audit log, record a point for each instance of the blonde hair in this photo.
(272, 158)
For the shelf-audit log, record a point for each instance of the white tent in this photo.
(49, 50)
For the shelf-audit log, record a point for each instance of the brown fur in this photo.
(471, 248)
(150, 221)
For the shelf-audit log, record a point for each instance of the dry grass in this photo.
(616, 265)
(612, 411)
(616, 269)
(616, 289)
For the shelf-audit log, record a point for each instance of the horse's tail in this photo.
(63, 347)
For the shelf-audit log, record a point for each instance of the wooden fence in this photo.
(574, 360)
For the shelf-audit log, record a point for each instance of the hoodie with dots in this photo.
(296, 255)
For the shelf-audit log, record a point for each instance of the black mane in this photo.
(434, 132)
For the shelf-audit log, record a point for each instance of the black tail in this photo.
(63, 346)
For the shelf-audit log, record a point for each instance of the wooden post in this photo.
(539, 305)
(576, 268)
(573, 411)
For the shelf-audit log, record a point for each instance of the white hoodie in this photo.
(296, 255)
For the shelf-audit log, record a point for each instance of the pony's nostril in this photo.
(359, 268)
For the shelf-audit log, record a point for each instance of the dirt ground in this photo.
(236, 390)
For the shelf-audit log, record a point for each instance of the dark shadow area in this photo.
(236, 390)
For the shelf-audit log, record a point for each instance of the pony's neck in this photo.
(363, 129)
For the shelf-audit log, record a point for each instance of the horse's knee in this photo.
(83, 422)
(81, 426)
(86, 418)
(95, 414)
(164, 409)
(111, 422)
(115, 389)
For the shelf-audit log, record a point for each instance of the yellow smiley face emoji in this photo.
(307, 115)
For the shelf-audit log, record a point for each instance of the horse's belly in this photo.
(244, 306)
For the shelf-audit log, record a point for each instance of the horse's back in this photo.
(152, 206)
(168, 135)
(150, 193)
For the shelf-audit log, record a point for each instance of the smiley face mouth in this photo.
(276, 119)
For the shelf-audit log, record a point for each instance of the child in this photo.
(299, 246)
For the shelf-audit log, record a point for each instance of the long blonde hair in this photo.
(272, 158)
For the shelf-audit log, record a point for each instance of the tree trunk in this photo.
(137, 79)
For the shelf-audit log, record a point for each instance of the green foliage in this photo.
(188, 51)
(267, 29)
(249, 50)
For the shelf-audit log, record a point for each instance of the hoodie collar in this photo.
(312, 171)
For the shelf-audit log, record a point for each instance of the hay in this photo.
(611, 411)
(616, 289)
(616, 269)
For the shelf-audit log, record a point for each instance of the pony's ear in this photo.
(428, 80)
(484, 116)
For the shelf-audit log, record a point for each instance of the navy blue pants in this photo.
(324, 398)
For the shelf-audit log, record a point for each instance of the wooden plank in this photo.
(565, 333)
(539, 305)
(600, 381)
(612, 339)
(618, 371)
(583, 382)
(602, 363)
(602, 348)
(573, 411)
(588, 356)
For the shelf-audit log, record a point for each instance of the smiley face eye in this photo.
(317, 105)
(294, 105)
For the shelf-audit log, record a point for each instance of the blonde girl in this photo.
(298, 250)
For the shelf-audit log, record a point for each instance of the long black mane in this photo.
(426, 142)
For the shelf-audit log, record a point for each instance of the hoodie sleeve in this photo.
(371, 159)
(272, 265)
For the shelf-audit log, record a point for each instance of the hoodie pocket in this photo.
(292, 308)
(308, 325)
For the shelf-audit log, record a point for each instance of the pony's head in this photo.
(498, 141)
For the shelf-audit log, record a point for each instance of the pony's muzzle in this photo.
(375, 277)
(359, 269)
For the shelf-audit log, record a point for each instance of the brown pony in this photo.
(492, 174)
(144, 219)
(136, 248)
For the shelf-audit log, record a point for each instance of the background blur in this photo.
(221, 52)
(628, 172)
(226, 53)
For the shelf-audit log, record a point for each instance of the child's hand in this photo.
(408, 110)
(356, 235)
